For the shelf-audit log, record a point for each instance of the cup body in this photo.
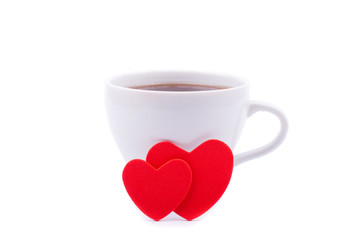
(141, 118)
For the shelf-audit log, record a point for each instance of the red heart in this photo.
(211, 164)
(157, 192)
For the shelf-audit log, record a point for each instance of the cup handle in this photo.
(256, 106)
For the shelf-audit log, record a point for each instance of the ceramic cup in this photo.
(141, 118)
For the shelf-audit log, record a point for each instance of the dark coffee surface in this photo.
(178, 87)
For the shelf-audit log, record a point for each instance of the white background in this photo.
(60, 171)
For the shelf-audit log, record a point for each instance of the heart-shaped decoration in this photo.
(157, 191)
(211, 164)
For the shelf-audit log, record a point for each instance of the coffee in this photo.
(178, 87)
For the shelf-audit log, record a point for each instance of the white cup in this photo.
(141, 118)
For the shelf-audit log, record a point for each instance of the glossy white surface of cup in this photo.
(141, 118)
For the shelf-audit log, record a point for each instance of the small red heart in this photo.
(211, 164)
(157, 192)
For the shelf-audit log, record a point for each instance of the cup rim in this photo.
(229, 82)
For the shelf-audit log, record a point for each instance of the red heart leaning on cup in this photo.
(157, 191)
(211, 164)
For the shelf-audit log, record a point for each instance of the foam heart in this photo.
(157, 191)
(211, 164)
